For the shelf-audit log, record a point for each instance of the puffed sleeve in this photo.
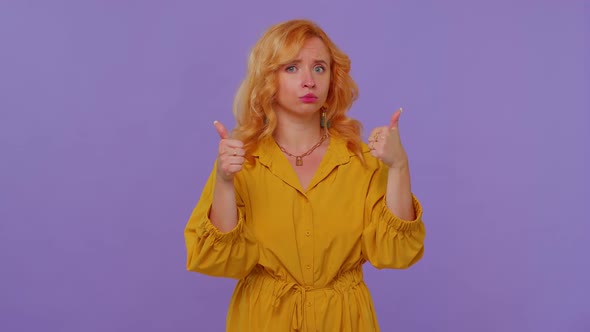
(388, 241)
(230, 254)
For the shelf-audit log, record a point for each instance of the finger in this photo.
(231, 145)
(231, 159)
(233, 152)
(374, 153)
(229, 162)
(232, 169)
(375, 134)
(220, 129)
(227, 151)
(393, 123)
(236, 160)
(230, 150)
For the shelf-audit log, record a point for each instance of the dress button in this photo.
(308, 233)
(309, 304)
(308, 267)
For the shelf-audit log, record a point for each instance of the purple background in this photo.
(107, 138)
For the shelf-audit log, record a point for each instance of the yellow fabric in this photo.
(299, 253)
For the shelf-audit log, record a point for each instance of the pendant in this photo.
(298, 161)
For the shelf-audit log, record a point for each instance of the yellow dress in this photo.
(298, 254)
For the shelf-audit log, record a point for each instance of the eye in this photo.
(290, 69)
(319, 69)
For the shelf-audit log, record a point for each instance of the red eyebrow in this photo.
(316, 61)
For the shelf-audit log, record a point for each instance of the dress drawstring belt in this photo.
(343, 282)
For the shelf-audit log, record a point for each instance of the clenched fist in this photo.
(230, 155)
(385, 143)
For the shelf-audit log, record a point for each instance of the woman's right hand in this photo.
(230, 155)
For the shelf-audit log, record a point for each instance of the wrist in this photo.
(225, 180)
(399, 166)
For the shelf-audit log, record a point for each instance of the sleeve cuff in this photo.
(400, 224)
(207, 228)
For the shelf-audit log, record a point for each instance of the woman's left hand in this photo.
(385, 143)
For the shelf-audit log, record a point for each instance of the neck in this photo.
(298, 135)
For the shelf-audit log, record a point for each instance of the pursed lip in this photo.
(309, 98)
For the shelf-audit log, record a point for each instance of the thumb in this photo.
(220, 129)
(393, 123)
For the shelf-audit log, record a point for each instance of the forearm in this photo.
(399, 193)
(224, 213)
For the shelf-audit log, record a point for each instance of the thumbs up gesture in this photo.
(385, 143)
(230, 155)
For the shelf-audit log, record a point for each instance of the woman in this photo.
(296, 202)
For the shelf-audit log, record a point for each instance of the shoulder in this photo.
(363, 160)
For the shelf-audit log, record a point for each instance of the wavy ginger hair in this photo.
(253, 104)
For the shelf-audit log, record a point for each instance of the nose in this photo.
(308, 81)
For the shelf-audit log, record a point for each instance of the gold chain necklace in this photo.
(299, 158)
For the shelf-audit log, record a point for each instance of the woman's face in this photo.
(304, 82)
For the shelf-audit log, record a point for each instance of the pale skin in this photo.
(386, 145)
(298, 130)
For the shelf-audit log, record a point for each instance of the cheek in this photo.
(282, 88)
(325, 81)
(289, 88)
(283, 83)
(326, 87)
(284, 92)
